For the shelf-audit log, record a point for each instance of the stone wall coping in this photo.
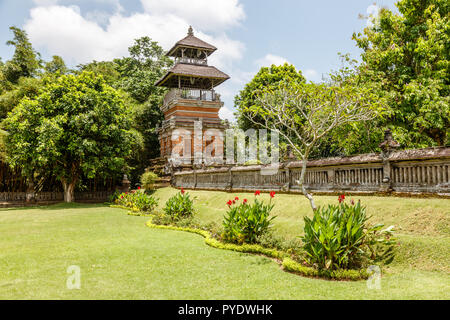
(369, 158)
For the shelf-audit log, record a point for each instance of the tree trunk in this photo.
(300, 182)
(69, 189)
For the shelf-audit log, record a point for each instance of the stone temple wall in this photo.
(420, 171)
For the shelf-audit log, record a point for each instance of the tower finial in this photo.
(190, 31)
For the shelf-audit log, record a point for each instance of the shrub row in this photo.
(287, 263)
(337, 243)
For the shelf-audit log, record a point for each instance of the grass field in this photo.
(121, 258)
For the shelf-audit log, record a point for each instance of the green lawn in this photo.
(121, 258)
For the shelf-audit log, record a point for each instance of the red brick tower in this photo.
(191, 98)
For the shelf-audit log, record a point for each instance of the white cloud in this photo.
(62, 30)
(225, 113)
(311, 75)
(271, 59)
(203, 14)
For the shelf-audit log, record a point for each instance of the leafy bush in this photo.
(138, 201)
(112, 198)
(244, 222)
(339, 237)
(148, 180)
(273, 240)
(179, 206)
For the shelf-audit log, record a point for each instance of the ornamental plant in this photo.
(339, 237)
(245, 222)
(148, 180)
(179, 206)
(138, 201)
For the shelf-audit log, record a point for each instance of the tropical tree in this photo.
(267, 78)
(407, 55)
(25, 62)
(56, 65)
(25, 87)
(304, 114)
(77, 125)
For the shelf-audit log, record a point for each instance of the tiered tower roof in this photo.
(191, 68)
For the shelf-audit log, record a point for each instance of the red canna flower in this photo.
(229, 203)
(257, 193)
(182, 191)
(341, 198)
(352, 202)
(272, 194)
(234, 201)
(139, 188)
(245, 201)
(237, 198)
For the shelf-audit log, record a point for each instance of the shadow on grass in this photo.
(57, 206)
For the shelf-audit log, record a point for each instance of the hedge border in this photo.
(281, 257)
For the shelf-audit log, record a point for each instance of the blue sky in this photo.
(248, 33)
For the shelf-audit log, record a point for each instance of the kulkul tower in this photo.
(191, 99)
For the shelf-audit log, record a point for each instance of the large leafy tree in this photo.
(268, 78)
(407, 54)
(304, 114)
(77, 125)
(138, 73)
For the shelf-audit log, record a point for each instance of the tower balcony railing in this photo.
(202, 62)
(191, 94)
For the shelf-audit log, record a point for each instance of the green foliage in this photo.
(26, 87)
(245, 222)
(25, 62)
(268, 78)
(138, 73)
(179, 206)
(353, 275)
(338, 237)
(57, 65)
(76, 125)
(106, 69)
(406, 57)
(137, 201)
(148, 180)
(274, 240)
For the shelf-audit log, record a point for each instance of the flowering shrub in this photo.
(338, 236)
(245, 222)
(179, 206)
(138, 201)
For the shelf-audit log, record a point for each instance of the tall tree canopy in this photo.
(268, 78)
(136, 76)
(18, 76)
(56, 65)
(408, 55)
(25, 62)
(77, 125)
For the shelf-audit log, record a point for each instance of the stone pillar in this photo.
(387, 147)
(125, 184)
